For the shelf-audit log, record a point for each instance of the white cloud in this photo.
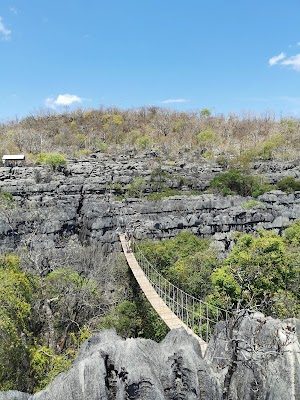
(67, 99)
(62, 100)
(4, 32)
(170, 101)
(274, 60)
(293, 62)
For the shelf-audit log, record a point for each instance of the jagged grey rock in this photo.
(256, 357)
(253, 357)
(14, 395)
(79, 201)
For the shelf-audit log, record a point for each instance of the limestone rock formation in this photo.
(79, 202)
(256, 357)
(252, 358)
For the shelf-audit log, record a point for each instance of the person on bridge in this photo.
(128, 236)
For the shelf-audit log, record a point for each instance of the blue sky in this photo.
(231, 56)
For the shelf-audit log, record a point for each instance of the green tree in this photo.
(144, 142)
(205, 112)
(124, 318)
(152, 326)
(187, 261)
(256, 271)
(192, 272)
(292, 234)
(45, 365)
(74, 299)
(236, 182)
(158, 179)
(288, 184)
(16, 294)
(207, 138)
(166, 253)
(52, 160)
(136, 187)
(112, 128)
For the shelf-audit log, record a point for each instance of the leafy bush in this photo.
(143, 142)
(258, 272)
(292, 234)
(102, 146)
(6, 200)
(136, 187)
(187, 261)
(45, 365)
(208, 154)
(248, 205)
(288, 184)
(222, 161)
(124, 318)
(262, 151)
(52, 160)
(158, 178)
(16, 294)
(266, 148)
(207, 138)
(235, 182)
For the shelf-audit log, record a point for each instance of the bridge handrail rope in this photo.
(196, 314)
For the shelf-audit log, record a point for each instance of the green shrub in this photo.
(143, 142)
(261, 271)
(288, 184)
(102, 146)
(208, 154)
(6, 199)
(222, 161)
(52, 160)
(266, 148)
(45, 365)
(167, 192)
(235, 182)
(246, 157)
(124, 318)
(136, 187)
(292, 234)
(207, 138)
(262, 151)
(248, 205)
(158, 178)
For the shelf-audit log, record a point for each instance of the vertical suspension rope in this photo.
(207, 322)
(185, 306)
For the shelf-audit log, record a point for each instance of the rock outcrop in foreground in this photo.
(252, 358)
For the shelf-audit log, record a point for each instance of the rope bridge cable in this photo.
(196, 316)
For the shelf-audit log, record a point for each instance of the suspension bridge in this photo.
(174, 306)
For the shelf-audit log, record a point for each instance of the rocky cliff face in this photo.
(252, 358)
(79, 201)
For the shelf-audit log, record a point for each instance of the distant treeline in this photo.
(78, 133)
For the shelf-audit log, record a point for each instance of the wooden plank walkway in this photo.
(167, 315)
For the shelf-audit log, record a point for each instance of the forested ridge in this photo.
(47, 310)
(243, 138)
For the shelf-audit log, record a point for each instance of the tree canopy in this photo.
(261, 272)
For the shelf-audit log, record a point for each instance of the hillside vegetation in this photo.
(241, 139)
